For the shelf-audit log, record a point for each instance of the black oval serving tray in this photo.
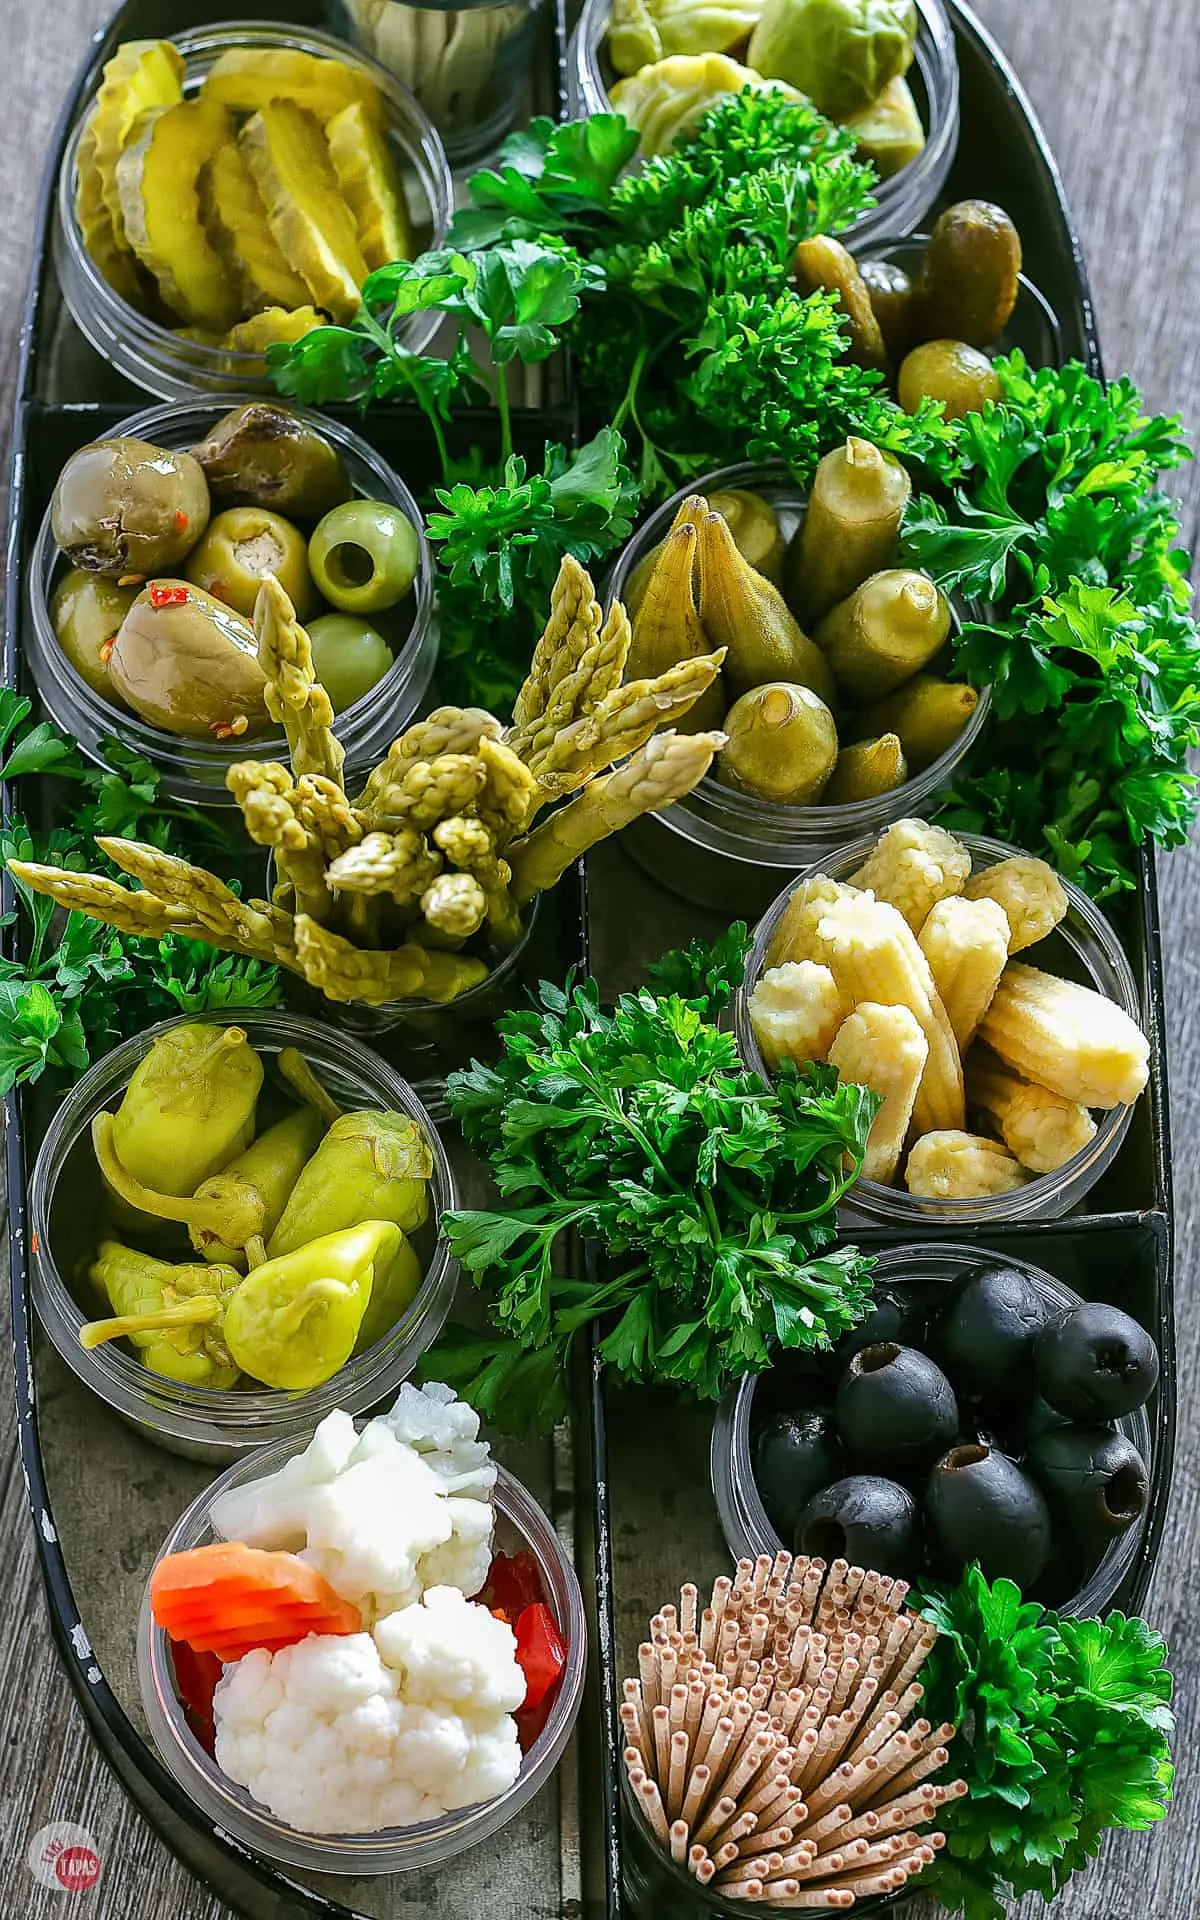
(633, 1541)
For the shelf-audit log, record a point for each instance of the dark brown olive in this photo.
(968, 283)
(824, 263)
(980, 1506)
(890, 292)
(1095, 1481)
(959, 377)
(263, 455)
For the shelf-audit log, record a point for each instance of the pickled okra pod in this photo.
(885, 632)
(926, 714)
(746, 615)
(851, 528)
(866, 770)
(781, 745)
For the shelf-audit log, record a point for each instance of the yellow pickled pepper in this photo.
(172, 1314)
(296, 1319)
(188, 1108)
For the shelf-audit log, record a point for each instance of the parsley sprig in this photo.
(1059, 526)
(1064, 1730)
(709, 1194)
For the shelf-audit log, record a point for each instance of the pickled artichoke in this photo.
(286, 153)
(841, 53)
(141, 74)
(158, 179)
(666, 99)
(247, 79)
(367, 178)
(643, 31)
(238, 226)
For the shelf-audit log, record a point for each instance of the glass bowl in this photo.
(195, 770)
(162, 361)
(729, 850)
(1033, 325)
(521, 1526)
(205, 1423)
(901, 202)
(1084, 947)
(743, 1517)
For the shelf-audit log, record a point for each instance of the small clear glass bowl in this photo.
(742, 1515)
(161, 360)
(195, 770)
(205, 1423)
(521, 1526)
(727, 849)
(901, 202)
(1033, 325)
(1083, 947)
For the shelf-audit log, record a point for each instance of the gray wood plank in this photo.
(1113, 80)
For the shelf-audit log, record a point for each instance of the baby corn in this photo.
(951, 1165)
(795, 1011)
(1031, 894)
(1067, 1038)
(883, 1048)
(796, 937)
(1040, 1127)
(913, 866)
(966, 945)
(873, 955)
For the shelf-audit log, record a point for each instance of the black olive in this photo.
(897, 1315)
(1094, 1479)
(1096, 1364)
(895, 1407)
(980, 1506)
(869, 1521)
(794, 1455)
(984, 1334)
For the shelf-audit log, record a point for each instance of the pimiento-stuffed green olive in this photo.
(86, 611)
(123, 506)
(961, 377)
(241, 545)
(189, 664)
(364, 556)
(349, 657)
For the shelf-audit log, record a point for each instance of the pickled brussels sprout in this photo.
(123, 507)
(349, 657)
(969, 278)
(643, 31)
(364, 556)
(189, 664)
(889, 132)
(841, 53)
(949, 371)
(263, 455)
(86, 611)
(241, 545)
(666, 99)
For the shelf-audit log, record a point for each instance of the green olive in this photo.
(263, 455)
(86, 612)
(124, 506)
(188, 664)
(957, 375)
(349, 657)
(364, 556)
(241, 545)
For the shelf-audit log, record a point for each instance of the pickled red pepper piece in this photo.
(295, 1320)
(173, 1314)
(189, 1107)
(541, 1652)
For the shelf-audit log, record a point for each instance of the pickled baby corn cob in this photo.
(796, 936)
(1040, 1127)
(885, 1049)
(966, 945)
(952, 1165)
(913, 866)
(873, 956)
(1031, 893)
(1067, 1038)
(795, 1011)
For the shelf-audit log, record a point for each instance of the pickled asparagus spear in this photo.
(953, 1165)
(295, 698)
(344, 972)
(266, 794)
(912, 867)
(1042, 1129)
(795, 1011)
(1066, 1037)
(885, 1049)
(1032, 896)
(966, 945)
(624, 721)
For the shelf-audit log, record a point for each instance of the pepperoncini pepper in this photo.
(294, 1321)
(188, 1108)
(173, 1314)
(370, 1166)
(391, 1296)
(231, 1207)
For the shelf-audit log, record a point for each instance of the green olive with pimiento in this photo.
(241, 546)
(364, 556)
(349, 657)
(86, 611)
(959, 377)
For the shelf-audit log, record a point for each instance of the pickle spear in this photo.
(367, 177)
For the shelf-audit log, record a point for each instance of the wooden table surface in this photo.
(1113, 81)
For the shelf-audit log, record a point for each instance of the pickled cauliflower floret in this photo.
(384, 1514)
(355, 1733)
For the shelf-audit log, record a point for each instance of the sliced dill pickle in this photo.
(159, 179)
(247, 79)
(118, 265)
(285, 150)
(369, 185)
(238, 227)
(141, 74)
(262, 330)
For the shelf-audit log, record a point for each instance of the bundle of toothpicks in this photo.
(770, 1741)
